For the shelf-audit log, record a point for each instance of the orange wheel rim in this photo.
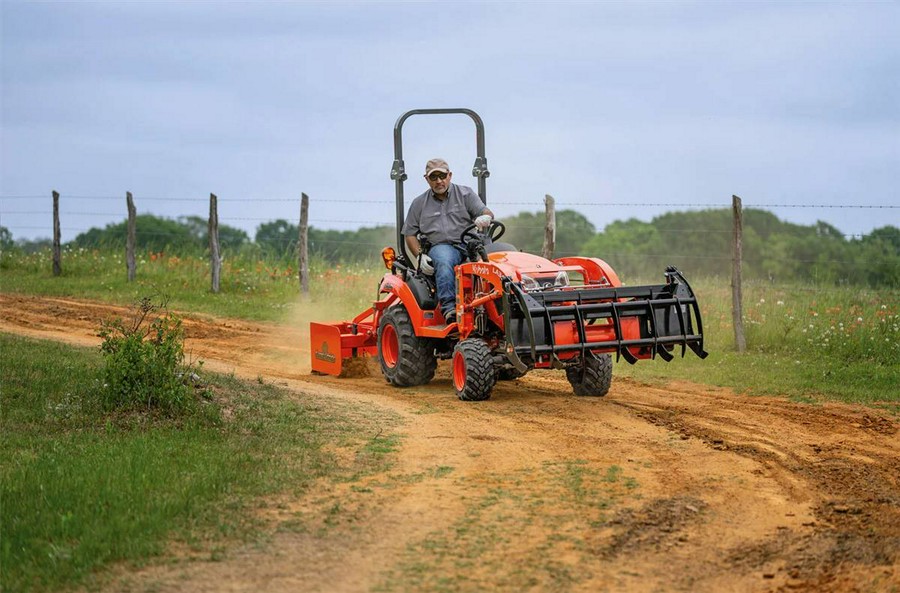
(390, 348)
(459, 371)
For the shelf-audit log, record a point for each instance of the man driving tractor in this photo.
(440, 215)
(494, 311)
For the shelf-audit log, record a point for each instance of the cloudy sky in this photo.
(618, 110)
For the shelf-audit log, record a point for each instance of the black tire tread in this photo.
(416, 363)
(480, 375)
(593, 378)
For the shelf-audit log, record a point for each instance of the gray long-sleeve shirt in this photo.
(443, 221)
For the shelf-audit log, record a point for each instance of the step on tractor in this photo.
(515, 311)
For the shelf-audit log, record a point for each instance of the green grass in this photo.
(833, 343)
(262, 290)
(813, 342)
(82, 490)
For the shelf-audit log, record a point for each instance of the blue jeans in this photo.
(445, 257)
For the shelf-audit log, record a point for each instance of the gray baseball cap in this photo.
(436, 165)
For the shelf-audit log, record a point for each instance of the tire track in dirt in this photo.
(734, 493)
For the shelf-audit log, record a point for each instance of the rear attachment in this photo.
(341, 349)
(635, 322)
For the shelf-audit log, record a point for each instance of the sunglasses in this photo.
(437, 175)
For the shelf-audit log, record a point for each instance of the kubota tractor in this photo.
(515, 312)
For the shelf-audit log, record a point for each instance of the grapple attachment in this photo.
(635, 322)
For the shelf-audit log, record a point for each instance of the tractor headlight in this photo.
(529, 283)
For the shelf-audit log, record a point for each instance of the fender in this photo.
(427, 323)
(595, 269)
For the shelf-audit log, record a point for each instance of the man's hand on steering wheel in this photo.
(495, 230)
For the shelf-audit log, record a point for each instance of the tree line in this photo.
(697, 242)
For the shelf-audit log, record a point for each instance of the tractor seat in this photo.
(499, 246)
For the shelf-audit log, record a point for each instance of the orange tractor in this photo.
(515, 312)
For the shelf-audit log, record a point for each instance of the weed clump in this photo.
(143, 363)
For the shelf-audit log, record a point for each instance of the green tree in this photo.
(6, 239)
(633, 248)
(229, 236)
(188, 234)
(526, 232)
(878, 255)
(700, 242)
(152, 233)
(277, 238)
(364, 245)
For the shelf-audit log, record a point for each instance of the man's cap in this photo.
(436, 165)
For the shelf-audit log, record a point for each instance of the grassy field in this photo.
(260, 290)
(83, 489)
(806, 342)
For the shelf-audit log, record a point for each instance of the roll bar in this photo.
(398, 170)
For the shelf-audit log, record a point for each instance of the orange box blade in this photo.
(325, 342)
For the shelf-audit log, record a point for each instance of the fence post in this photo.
(302, 244)
(549, 227)
(57, 236)
(737, 308)
(131, 238)
(215, 262)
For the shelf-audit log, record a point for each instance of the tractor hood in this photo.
(533, 271)
(516, 263)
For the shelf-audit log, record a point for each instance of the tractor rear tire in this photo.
(406, 359)
(473, 370)
(593, 377)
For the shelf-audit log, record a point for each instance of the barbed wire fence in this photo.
(77, 213)
(87, 206)
(67, 212)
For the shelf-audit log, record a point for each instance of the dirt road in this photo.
(682, 488)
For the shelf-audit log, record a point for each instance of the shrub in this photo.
(144, 363)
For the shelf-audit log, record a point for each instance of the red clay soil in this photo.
(725, 492)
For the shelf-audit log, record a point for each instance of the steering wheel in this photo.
(469, 232)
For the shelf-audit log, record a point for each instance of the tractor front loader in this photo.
(515, 312)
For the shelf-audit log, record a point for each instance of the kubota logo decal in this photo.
(482, 270)
(323, 354)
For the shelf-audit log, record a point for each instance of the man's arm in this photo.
(474, 205)
(413, 246)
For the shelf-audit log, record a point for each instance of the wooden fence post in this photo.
(549, 227)
(57, 236)
(302, 244)
(215, 262)
(737, 308)
(131, 238)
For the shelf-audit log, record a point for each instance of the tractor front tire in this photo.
(593, 377)
(406, 359)
(473, 370)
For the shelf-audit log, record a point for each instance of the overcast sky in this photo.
(613, 108)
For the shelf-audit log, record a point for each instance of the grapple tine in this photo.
(698, 350)
(664, 354)
(651, 317)
(627, 355)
